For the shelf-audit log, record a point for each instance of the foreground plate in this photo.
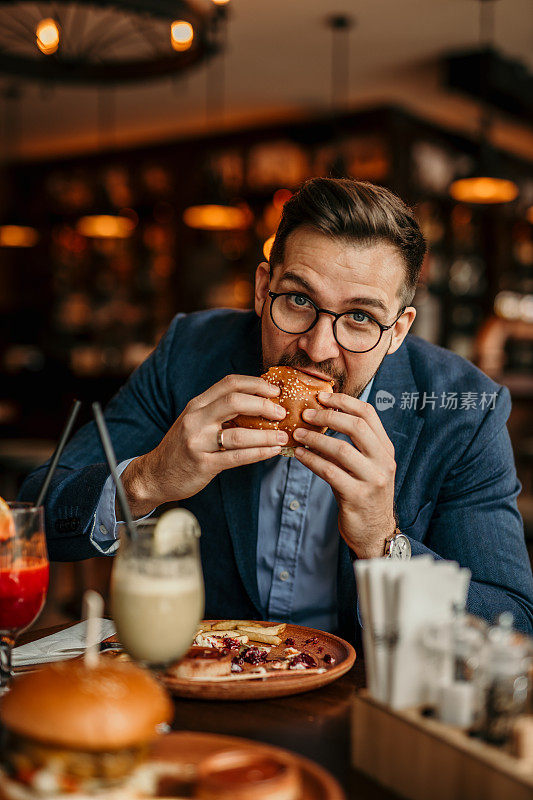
(191, 748)
(279, 684)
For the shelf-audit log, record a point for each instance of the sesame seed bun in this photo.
(107, 707)
(298, 391)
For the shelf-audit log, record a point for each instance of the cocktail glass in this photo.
(24, 573)
(157, 590)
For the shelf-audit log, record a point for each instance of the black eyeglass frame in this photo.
(336, 317)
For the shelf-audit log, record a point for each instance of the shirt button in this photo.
(294, 505)
(284, 575)
(103, 529)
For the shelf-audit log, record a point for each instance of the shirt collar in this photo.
(367, 390)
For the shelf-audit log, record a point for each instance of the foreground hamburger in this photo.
(70, 729)
(298, 391)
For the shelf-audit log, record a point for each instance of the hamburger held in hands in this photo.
(70, 729)
(298, 391)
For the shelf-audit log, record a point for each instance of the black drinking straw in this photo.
(112, 462)
(58, 451)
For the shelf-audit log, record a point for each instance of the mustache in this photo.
(301, 360)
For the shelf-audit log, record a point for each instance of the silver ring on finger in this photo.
(220, 439)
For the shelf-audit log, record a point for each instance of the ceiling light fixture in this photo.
(217, 217)
(105, 221)
(484, 188)
(486, 185)
(216, 211)
(181, 35)
(18, 236)
(47, 36)
(106, 41)
(105, 226)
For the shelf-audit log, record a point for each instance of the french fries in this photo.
(243, 630)
(203, 627)
(269, 630)
(233, 624)
(227, 624)
(262, 638)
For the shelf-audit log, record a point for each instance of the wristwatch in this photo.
(398, 546)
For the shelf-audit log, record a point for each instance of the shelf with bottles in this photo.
(164, 266)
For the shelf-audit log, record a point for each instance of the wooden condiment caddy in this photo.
(420, 758)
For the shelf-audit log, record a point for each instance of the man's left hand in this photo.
(361, 476)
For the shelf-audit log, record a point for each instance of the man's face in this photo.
(338, 276)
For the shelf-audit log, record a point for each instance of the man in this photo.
(417, 454)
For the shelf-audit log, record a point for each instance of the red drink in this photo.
(23, 576)
(23, 588)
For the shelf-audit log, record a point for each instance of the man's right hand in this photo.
(188, 457)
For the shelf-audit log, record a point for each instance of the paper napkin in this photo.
(59, 646)
(397, 600)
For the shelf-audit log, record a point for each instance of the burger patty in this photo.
(22, 757)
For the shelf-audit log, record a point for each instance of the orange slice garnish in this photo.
(7, 523)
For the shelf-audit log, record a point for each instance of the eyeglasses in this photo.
(355, 331)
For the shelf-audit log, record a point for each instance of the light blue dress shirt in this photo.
(298, 543)
(104, 533)
(297, 540)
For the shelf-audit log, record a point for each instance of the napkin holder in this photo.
(418, 757)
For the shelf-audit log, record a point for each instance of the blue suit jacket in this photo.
(455, 491)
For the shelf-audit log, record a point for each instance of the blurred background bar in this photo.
(148, 147)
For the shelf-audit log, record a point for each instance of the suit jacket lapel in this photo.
(240, 487)
(403, 425)
(240, 498)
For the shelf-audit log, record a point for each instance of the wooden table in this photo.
(315, 724)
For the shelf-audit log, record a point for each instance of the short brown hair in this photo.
(357, 211)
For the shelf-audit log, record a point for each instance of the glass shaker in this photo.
(509, 657)
(455, 653)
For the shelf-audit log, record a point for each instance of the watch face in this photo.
(401, 547)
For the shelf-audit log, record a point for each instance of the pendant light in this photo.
(14, 230)
(487, 184)
(218, 216)
(216, 211)
(105, 226)
(104, 221)
(15, 235)
(47, 36)
(181, 35)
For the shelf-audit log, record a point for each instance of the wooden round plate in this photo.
(191, 748)
(278, 684)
